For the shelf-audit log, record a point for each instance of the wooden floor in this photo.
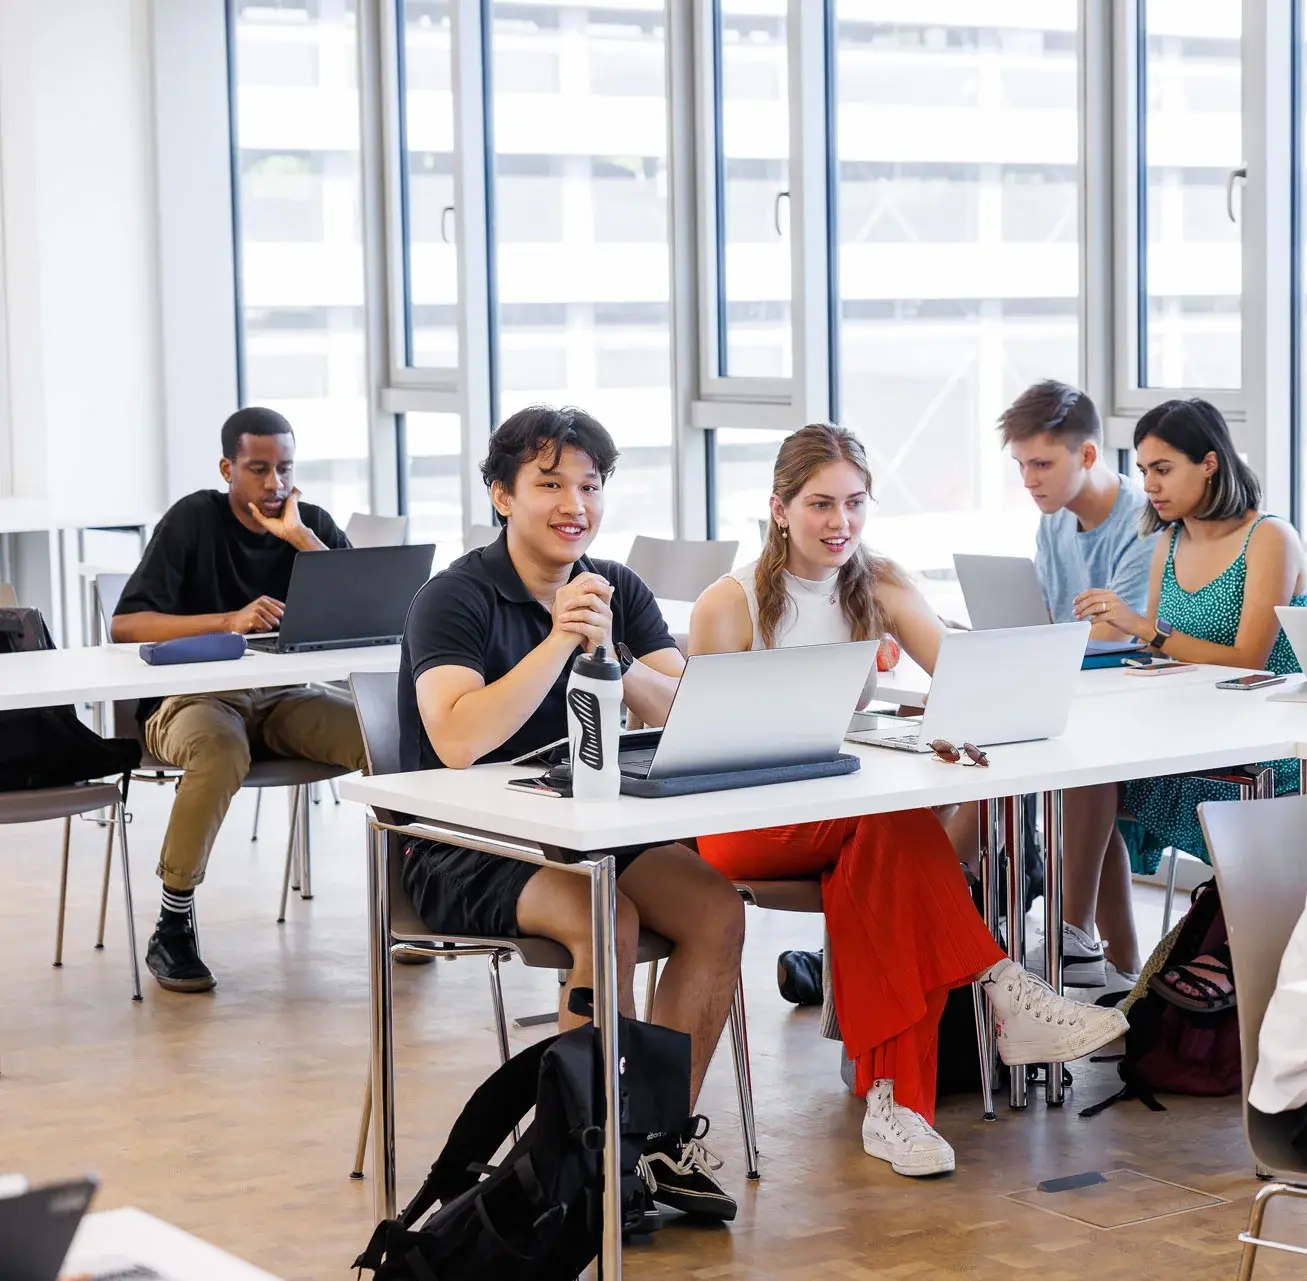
(233, 1115)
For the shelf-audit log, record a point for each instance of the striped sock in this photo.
(176, 907)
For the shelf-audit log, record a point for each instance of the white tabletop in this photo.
(1109, 739)
(119, 1237)
(107, 672)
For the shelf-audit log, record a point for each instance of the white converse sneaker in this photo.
(901, 1137)
(1038, 1026)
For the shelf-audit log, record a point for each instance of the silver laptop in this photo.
(756, 710)
(1011, 685)
(1001, 591)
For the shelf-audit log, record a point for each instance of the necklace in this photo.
(828, 587)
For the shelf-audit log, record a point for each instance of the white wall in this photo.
(81, 281)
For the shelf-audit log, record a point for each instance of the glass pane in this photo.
(1192, 138)
(958, 262)
(435, 503)
(300, 249)
(431, 258)
(753, 196)
(580, 128)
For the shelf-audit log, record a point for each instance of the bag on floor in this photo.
(538, 1215)
(49, 746)
(1169, 1050)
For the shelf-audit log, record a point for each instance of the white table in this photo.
(118, 1237)
(105, 673)
(1192, 728)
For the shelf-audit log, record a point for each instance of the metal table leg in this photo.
(1053, 1087)
(383, 1047)
(603, 925)
(989, 901)
(1016, 917)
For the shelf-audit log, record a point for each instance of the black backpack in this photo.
(49, 746)
(538, 1215)
(1173, 1051)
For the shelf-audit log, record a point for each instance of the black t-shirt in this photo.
(202, 560)
(478, 614)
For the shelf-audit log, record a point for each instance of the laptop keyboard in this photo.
(908, 740)
(264, 644)
(636, 762)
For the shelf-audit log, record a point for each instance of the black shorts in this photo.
(468, 892)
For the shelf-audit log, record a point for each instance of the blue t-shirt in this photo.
(1071, 560)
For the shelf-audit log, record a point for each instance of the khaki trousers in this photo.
(212, 738)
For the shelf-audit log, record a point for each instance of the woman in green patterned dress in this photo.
(1219, 570)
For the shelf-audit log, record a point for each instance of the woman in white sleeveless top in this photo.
(902, 925)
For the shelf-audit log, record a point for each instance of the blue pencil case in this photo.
(1114, 658)
(214, 648)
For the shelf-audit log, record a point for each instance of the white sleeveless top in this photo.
(813, 616)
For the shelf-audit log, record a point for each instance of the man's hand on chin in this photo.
(288, 526)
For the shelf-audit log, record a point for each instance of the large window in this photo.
(430, 311)
(956, 151)
(435, 502)
(296, 119)
(581, 233)
(1190, 141)
(752, 189)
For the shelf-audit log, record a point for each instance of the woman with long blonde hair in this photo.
(903, 929)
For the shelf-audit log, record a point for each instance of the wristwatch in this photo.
(624, 656)
(1164, 630)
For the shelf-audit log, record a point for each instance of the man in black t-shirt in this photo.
(221, 562)
(488, 648)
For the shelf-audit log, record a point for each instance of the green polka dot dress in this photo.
(1166, 809)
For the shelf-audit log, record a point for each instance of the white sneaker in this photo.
(901, 1137)
(1035, 1025)
(1082, 958)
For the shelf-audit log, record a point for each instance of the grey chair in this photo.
(269, 771)
(375, 703)
(365, 530)
(1259, 855)
(480, 536)
(45, 803)
(680, 568)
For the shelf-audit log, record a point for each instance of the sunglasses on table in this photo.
(950, 755)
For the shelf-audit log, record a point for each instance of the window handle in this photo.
(444, 223)
(1242, 174)
(776, 211)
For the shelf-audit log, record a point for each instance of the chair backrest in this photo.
(365, 530)
(763, 522)
(480, 536)
(8, 597)
(1259, 855)
(678, 568)
(108, 592)
(375, 695)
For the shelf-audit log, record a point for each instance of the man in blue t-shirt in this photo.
(1088, 538)
(1089, 531)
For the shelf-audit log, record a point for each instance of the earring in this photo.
(785, 533)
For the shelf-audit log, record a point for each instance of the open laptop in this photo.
(1004, 591)
(741, 720)
(37, 1227)
(1012, 685)
(354, 596)
(1293, 618)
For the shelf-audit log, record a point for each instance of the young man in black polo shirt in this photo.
(488, 647)
(221, 562)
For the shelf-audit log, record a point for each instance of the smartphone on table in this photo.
(1257, 680)
(1146, 665)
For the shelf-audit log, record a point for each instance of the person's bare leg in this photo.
(556, 905)
(693, 905)
(963, 828)
(1116, 915)
(1088, 821)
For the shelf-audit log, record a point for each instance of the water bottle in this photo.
(594, 709)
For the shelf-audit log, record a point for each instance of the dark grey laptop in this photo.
(37, 1227)
(342, 599)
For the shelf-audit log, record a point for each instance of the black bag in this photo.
(538, 1216)
(1177, 1051)
(49, 746)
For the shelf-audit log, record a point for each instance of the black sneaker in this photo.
(798, 975)
(174, 960)
(679, 1172)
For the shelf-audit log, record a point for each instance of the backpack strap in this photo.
(500, 1103)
